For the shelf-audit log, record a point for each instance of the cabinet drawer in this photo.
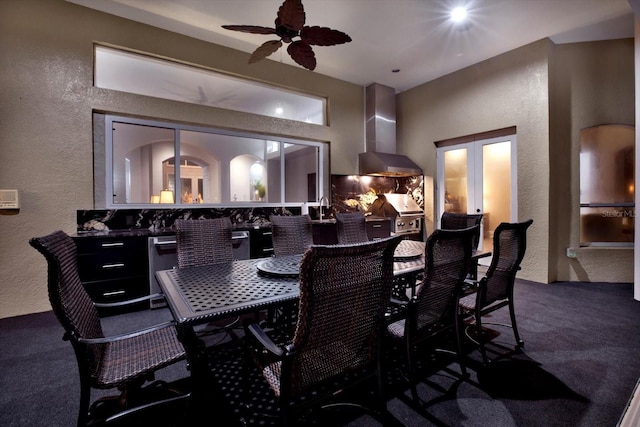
(378, 229)
(111, 265)
(87, 245)
(261, 243)
(117, 290)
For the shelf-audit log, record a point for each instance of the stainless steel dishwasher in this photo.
(162, 256)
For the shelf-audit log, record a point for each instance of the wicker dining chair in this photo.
(495, 289)
(432, 309)
(124, 361)
(351, 227)
(203, 241)
(344, 292)
(292, 235)
(457, 221)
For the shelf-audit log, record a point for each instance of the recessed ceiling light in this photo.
(459, 14)
(279, 110)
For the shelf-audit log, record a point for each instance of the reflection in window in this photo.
(151, 161)
(131, 72)
(607, 189)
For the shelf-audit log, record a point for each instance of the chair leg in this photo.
(514, 326)
(85, 400)
(458, 332)
(411, 371)
(285, 413)
(481, 339)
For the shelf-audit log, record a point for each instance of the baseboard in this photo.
(631, 415)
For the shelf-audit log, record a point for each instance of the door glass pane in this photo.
(202, 155)
(209, 168)
(455, 181)
(300, 163)
(138, 153)
(496, 187)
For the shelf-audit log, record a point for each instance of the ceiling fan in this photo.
(289, 25)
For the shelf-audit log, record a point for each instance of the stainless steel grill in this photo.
(408, 216)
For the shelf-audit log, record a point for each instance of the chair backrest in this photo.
(447, 260)
(203, 241)
(351, 228)
(457, 221)
(509, 246)
(344, 292)
(70, 301)
(291, 235)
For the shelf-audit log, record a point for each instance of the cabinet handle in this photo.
(111, 245)
(113, 293)
(267, 233)
(117, 265)
(376, 226)
(157, 242)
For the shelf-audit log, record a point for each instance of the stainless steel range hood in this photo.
(380, 157)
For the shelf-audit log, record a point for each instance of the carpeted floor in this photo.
(579, 367)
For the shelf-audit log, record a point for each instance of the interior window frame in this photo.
(620, 209)
(103, 163)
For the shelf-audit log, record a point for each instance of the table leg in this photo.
(201, 380)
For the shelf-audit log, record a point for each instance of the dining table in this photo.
(199, 295)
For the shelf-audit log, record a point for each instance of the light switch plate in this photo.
(9, 199)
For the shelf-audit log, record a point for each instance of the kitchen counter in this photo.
(168, 231)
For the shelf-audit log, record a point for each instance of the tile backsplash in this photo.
(153, 219)
(349, 193)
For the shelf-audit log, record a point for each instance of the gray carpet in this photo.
(579, 367)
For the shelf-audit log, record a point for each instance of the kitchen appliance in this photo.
(405, 212)
(380, 157)
(163, 256)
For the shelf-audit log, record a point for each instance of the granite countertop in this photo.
(144, 232)
(149, 232)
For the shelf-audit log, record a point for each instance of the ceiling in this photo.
(415, 37)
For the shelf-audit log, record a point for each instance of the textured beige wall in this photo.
(46, 49)
(549, 93)
(593, 85)
(48, 98)
(508, 90)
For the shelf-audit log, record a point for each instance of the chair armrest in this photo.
(120, 337)
(396, 301)
(127, 302)
(259, 335)
(470, 286)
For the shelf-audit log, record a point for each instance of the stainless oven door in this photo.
(162, 256)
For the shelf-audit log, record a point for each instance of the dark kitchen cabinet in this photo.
(261, 243)
(114, 269)
(378, 228)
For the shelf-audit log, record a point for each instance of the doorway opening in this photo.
(479, 176)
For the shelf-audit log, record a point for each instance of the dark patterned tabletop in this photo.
(199, 294)
(281, 266)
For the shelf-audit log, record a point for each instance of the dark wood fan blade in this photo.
(302, 53)
(253, 29)
(323, 36)
(291, 15)
(266, 49)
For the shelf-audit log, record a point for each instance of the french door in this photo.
(479, 177)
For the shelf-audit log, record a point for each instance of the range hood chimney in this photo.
(380, 157)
